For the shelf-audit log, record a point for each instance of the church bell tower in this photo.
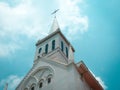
(55, 46)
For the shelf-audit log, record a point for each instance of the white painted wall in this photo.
(64, 77)
(58, 40)
(49, 42)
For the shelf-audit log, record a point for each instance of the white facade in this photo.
(54, 67)
(63, 77)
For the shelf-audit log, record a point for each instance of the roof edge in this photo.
(84, 71)
(52, 34)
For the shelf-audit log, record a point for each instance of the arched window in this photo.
(66, 52)
(41, 83)
(40, 49)
(32, 88)
(53, 44)
(46, 48)
(49, 79)
(62, 46)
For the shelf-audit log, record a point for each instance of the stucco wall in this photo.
(64, 77)
(49, 42)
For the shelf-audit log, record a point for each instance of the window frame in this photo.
(62, 46)
(66, 52)
(46, 48)
(53, 45)
(40, 50)
(49, 77)
(49, 80)
(40, 85)
(33, 86)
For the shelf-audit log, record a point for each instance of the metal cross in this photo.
(55, 12)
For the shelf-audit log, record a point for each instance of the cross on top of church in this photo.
(55, 46)
(55, 12)
(55, 25)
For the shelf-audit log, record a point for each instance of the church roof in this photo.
(88, 76)
(55, 25)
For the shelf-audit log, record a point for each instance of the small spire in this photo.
(55, 25)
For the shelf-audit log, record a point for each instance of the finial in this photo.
(55, 12)
(55, 25)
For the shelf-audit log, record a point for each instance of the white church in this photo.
(54, 67)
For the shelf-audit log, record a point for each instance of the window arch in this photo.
(53, 44)
(32, 87)
(46, 48)
(40, 49)
(62, 46)
(66, 52)
(41, 83)
(49, 79)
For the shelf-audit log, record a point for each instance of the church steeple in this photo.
(55, 26)
(55, 46)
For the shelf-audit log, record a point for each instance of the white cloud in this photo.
(12, 81)
(21, 20)
(7, 49)
(99, 80)
(26, 18)
(72, 17)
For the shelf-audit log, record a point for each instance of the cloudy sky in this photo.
(91, 26)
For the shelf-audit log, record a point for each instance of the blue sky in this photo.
(91, 26)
